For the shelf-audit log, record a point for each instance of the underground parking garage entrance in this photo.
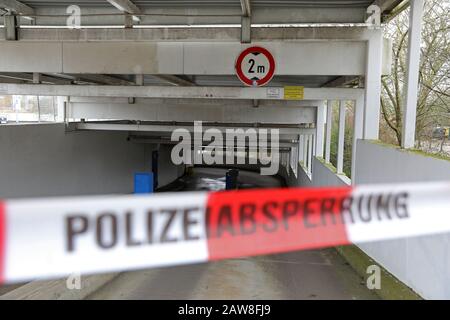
(213, 150)
(119, 156)
(298, 275)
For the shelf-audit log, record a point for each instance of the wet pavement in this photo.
(315, 274)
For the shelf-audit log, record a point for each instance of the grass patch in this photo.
(328, 165)
(391, 287)
(413, 151)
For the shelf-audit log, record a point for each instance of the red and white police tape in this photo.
(50, 238)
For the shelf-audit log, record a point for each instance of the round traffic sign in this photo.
(255, 66)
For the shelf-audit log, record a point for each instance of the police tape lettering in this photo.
(50, 238)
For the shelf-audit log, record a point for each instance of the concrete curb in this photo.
(57, 289)
(391, 287)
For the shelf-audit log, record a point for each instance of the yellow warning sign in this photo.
(294, 93)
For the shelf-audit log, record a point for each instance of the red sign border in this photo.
(260, 82)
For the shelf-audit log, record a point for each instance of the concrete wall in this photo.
(423, 263)
(44, 160)
(168, 172)
(322, 176)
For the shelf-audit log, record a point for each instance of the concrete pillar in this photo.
(412, 73)
(305, 150)
(320, 127)
(373, 85)
(301, 146)
(328, 130)
(139, 79)
(310, 153)
(358, 127)
(341, 138)
(36, 78)
(128, 22)
(295, 155)
(60, 103)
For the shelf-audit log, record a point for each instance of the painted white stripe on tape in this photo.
(37, 234)
(426, 211)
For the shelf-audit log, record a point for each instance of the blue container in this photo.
(143, 183)
(231, 179)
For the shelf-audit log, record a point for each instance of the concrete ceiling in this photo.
(201, 12)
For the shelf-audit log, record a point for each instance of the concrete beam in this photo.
(125, 6)
(9, 80)
(164, 128)
(28, 77)
(179, 58)
(154, 34)
(166, 140)
(246, 8)
(245, 93)
(387, 5)
(207, 15)
(103, 79)
(64, 79)
(16, 7)
(341, 81)
(182, 110)
(175, 80)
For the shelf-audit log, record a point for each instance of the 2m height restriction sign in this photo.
(255, 66)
